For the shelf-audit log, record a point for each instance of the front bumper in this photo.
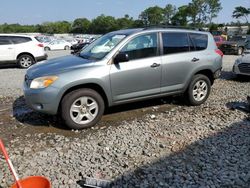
(43, 100)
(241, 69)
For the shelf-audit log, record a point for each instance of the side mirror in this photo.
(121, 57)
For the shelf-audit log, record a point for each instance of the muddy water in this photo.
(16, 119)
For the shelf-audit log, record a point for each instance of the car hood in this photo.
(246, 58)
(57, 65)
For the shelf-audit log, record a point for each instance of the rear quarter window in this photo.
(199, 41)
(20, 40)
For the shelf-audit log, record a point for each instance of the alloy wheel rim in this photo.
(26, 62)
(200, 90)
(84, 110)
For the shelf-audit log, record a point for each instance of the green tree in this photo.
(241, 12)
(197, 12)
(103, 24)
(152, 16)
(169, 12)
(181, 16)
(80, 25)
(213, 8)
(125, 22)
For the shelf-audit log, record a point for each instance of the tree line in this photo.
(197, 13)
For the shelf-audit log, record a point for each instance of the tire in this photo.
(76, 112)
(66, 48)
(47, 49)
(201, 85)
(240, 51)
(25, 61)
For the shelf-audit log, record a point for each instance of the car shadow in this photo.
(26, 115)
(8, 66)
(229, 75)
(219, 160)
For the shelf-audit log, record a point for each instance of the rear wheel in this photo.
(47, 48)
(198, 90)
(82, 108)
(25, 61)
(66, 48)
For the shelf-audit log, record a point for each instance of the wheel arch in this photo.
(92, 86)
(25, 53)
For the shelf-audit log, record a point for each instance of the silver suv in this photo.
(121, 67)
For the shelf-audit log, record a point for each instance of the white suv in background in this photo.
(21, 49)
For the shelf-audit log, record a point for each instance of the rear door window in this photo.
(199, 41)
(20, 40)
(4, 40)
(174, 42)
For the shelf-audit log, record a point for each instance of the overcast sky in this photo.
(37, 12)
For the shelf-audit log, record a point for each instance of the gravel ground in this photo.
(171, 145)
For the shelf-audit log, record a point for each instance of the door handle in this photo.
(10, 48)
(195, 59)
(155, 65)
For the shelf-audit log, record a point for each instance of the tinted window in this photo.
(143, 46)
(199, 41)
(4, 40)
(175, 43)
(19, 40)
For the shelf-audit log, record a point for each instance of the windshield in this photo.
(102, 46)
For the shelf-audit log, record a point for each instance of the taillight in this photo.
(40, 45)
(219, 52)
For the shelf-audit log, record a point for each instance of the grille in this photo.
(244, 67)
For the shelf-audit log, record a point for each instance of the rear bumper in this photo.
(41, 58)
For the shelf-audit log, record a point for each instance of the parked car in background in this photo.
(57, 45)
(22, 50)
(242, 65)
(121, 67)
(219, 40)
(234, 45)
(247, 46)
(72, 41)
(78, 47)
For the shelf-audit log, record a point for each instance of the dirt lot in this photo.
(160, 142)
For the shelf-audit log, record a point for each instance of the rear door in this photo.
(7, 49)
(141, 75)
(179, 59)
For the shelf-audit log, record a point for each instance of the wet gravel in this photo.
(166, 145)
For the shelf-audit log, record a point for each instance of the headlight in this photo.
(43, 82)
(237, 62)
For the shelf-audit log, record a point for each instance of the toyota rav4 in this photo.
(121, 67)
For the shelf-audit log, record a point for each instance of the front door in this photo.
(141, 75)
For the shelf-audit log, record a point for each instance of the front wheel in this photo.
(198, 90)
(82, 108)
(66, 48)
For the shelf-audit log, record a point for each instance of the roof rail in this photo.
(172, 26)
